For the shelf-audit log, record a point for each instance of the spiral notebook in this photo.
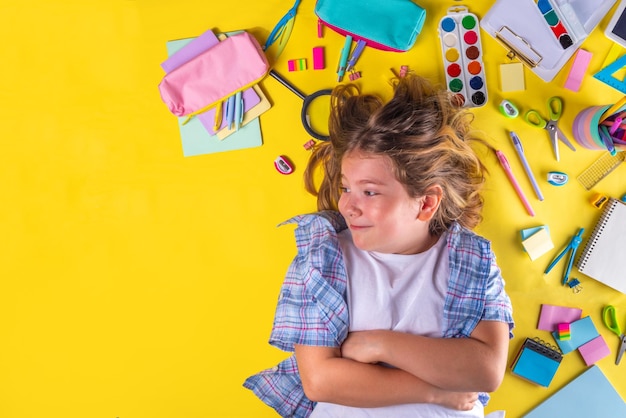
(603, 258)
(537, 362)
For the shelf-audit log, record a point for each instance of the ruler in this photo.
(600, 169)
(606, 75)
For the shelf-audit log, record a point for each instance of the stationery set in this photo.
(544, 34)
(211, 86)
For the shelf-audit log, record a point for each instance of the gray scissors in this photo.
(555, 109)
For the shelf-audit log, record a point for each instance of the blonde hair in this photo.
(423, 132)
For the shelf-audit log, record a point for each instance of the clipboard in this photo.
(524, 28)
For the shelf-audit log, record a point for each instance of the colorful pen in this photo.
(607, 139)
(230, 111)
(343, 60)
(509, 173)
(218, 117)
(358, 49)
(520, 153)
(238, 110)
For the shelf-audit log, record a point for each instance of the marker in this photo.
(358, 50)
(238, 110)
(230, 111)
(343, 60)
(606, 138)
(507, 169)
(520, 153)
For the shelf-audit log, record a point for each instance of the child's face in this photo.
(380, 213)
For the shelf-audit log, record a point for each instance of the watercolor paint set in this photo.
(462, 53)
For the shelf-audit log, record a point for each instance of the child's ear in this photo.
(429, 203)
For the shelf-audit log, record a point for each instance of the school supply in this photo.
(391, 25)
(594, 351)
(543, 34)
(522, 157)
(235, 64)
(603, 258)
(195, 136)
(280, 33)
(578, 70)
(557, 178)
(251, 112)
(555, 109)
(537, 243)
(582, 330)
(306, 102)
(600, 168)
(318, 58)
(512, 77)
(552, 315)
(537, 362)
(616, 29)
(563, 331)
(607, 74)
(509, 173)
(571, 247)
(508, 109)
(609, 318)
(590, 394)
(459, 33)
(343, 60)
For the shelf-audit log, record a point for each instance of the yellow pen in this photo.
(218, 117)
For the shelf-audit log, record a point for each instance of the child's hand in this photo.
(363, 346)
(461, 401)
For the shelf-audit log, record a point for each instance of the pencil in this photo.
(613, 109)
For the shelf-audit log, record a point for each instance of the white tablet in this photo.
(616, 30)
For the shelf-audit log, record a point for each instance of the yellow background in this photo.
(139, 283)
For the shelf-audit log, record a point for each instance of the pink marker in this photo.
(509, 173)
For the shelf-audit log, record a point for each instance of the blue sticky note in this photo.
(582, 332)
(528, 232)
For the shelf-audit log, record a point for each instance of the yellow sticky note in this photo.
(512, 77)
(538, 244)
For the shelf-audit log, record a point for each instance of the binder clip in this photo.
(575, 285)
(354, 75)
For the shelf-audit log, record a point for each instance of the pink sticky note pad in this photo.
(551, 316)
(594, 351)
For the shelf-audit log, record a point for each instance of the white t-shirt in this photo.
(403, 293)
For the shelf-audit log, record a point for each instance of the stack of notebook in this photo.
(198, 134)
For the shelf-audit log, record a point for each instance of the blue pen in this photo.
(520, 153)
(343, 60)
(238, 110)
(606, 138)
(358, 49)
(230, 111)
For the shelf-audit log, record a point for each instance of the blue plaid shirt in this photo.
(312, 308)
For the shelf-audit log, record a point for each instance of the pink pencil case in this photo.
(233, 65)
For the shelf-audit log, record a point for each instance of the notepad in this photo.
(537, 362)
(590, 394)
(603, 257)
